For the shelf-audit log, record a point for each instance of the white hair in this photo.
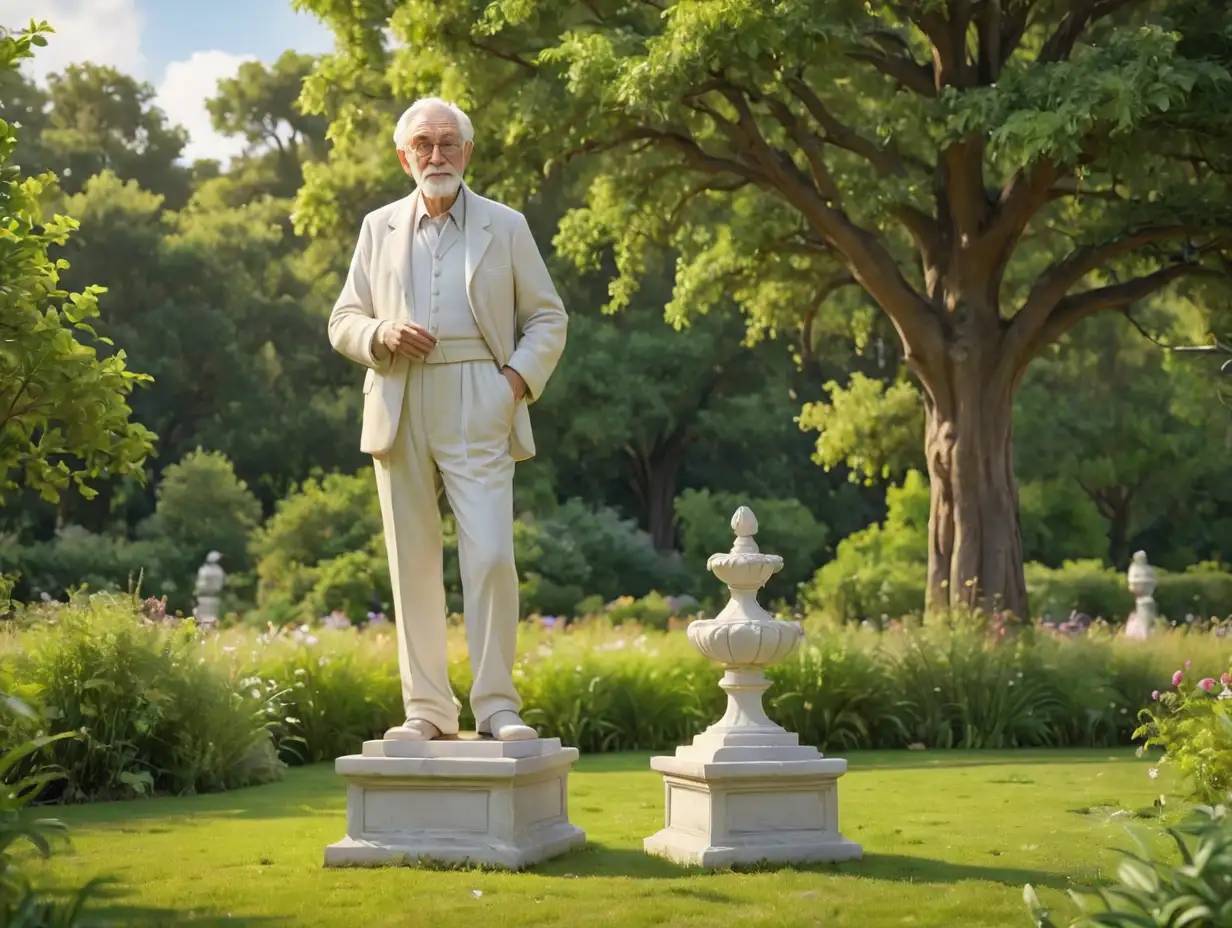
(402, 131)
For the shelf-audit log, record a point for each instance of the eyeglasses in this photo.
(424, 149)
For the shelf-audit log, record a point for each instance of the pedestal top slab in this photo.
(749, 769)
(467, 745)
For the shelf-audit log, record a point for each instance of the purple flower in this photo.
(1155, 695)
(1177, 678)
(1207, 683)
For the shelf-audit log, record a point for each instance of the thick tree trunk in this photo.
(975, 548)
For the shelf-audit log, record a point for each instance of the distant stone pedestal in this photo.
(456, 800)
(1142, 580)
(746, 790)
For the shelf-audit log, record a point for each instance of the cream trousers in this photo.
(454, 435)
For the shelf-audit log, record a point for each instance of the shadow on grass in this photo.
(599, 860)
(106, 907)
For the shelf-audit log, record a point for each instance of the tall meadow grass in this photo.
(163, 708)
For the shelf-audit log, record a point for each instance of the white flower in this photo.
(310, 640)
(1153, 773)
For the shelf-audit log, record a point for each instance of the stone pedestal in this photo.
(456, 800)
(746, 790)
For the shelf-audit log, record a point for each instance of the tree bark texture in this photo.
(974, 545)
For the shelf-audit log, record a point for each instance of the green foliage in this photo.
(1153, 890)
(320, 520)
(786, 528)
(62, 402)
(153, 717)
(879, 570)
(1192, 722)
(79, 559)
(872, 428)
(202, 507)
(21, 906)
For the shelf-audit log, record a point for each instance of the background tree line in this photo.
(218, 281)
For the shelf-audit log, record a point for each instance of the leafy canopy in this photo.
(64, 414)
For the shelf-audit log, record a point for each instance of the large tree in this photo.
(991, 172)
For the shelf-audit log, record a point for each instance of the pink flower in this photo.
(1187, 664)
(1177, 678)
(1207, 684)
(1226, 679)
(1155, 695)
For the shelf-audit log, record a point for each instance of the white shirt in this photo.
(438, 272)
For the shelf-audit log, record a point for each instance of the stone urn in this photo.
(745, 639)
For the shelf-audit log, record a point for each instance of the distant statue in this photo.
(1142, 581)
(210, 580)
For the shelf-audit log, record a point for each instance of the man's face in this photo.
(435, 155)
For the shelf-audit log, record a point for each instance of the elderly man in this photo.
(440, 285)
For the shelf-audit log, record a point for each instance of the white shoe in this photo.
(414, 730)
(507, 726)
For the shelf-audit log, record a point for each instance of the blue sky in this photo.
(181, 47)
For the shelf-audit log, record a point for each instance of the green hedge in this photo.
(163, 712)
(852, 588)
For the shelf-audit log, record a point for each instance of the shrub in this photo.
(203, 506)
(606, 555)
(153, 715)
(20, 903)
(1154, 891)
(321, 520)
(76, 558)
(1192, 722)
(1087, 586)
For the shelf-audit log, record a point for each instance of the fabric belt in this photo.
(455, 350)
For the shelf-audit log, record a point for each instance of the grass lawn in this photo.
(949, 840)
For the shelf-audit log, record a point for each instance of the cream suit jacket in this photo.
(509, 290)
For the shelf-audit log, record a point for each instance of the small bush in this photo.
(1151, 890)
(1192, 721)
(153, 715)
(20, 904)
(77, 559)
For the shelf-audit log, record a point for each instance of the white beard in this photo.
(439, 186)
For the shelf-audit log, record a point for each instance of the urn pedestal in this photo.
(456, 800)
(746, 791)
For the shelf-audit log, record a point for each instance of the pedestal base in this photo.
(751, 811)
(464, 800)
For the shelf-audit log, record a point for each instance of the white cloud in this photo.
(182, 93)
(106, 32)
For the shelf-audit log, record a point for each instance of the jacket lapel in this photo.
(396, 252)
(478, 236)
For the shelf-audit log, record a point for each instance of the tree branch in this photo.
(1073, 309)
(1082, 14)
(886, 160)
(909, 73)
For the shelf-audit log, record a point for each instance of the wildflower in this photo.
(1207, 683)
(1153, 773)
(1225, 679)
(1177, 678)
(310, 640)
(1188, 664)
(1155, 695)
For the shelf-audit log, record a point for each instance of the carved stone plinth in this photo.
(747, 812)
(456, 800)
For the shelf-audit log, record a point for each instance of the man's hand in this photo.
(516, 383)
(409, 340)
